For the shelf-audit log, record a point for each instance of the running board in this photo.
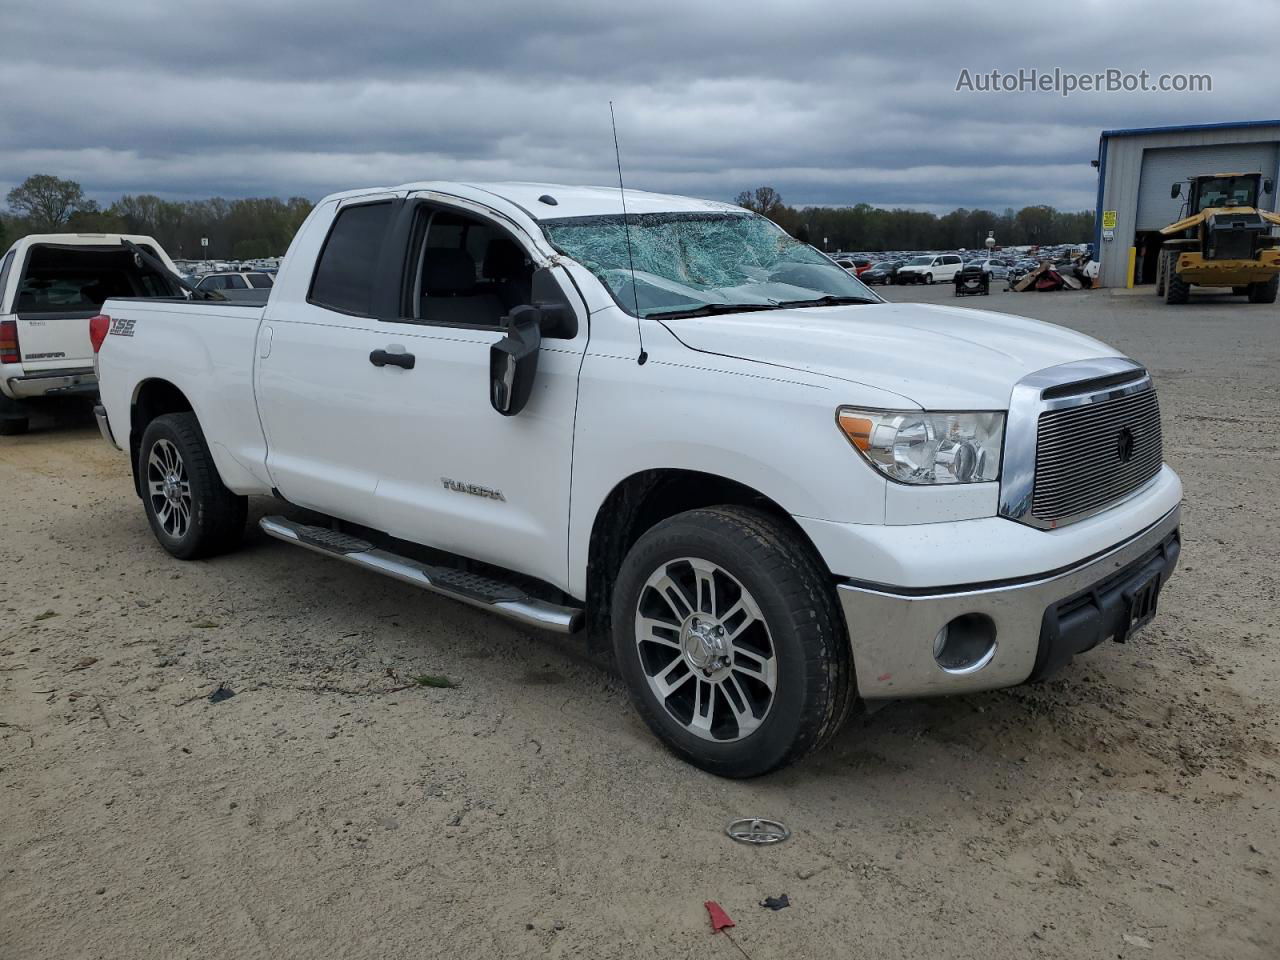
(469, 588)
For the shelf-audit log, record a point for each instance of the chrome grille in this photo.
(1093, 455)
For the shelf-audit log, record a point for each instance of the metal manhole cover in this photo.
(757, 830)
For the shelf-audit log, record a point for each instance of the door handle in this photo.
(380, 358)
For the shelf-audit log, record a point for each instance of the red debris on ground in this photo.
(719, 919)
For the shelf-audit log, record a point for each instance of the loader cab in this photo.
(1222, 190)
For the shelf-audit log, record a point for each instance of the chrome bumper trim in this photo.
(892, 634)
(55, 381)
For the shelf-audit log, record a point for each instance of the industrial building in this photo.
(1136, 169)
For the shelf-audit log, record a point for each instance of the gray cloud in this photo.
(829, 103)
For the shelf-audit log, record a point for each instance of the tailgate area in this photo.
(61, 288)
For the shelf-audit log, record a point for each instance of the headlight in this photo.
(919, 447)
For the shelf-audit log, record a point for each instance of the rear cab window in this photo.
(346, 268)
(78, 279)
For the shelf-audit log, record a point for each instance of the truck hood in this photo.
(939, 357)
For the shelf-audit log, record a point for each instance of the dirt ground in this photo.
(1128, 808)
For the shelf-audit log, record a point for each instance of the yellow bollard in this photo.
(1133, 261)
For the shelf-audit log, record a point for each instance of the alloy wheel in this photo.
(169, 489)
(705, 649)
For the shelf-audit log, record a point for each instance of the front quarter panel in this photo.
(770, 428)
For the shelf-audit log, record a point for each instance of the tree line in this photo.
(236, 229)
(263, 226)
(864, 227)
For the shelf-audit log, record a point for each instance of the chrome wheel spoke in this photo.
(664, 682)
(739, 705)
(706, 587)
(647, 632)
(703, 707)
(676, 598)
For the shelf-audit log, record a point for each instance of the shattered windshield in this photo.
(702, 263)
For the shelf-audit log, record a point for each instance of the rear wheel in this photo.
(729, 638)
(13, 417)
(191, 512)
(1176, 290)
(1264, 292)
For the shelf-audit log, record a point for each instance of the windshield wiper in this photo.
(710, 309)
(827, 301)
(157, 265)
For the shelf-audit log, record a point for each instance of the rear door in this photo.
(324, 407)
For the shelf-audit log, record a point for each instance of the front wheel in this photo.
(1264, 292)
(191, 512)
(729, 638)
(1176, 290)
(928, 278)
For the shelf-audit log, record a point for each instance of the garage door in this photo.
(1161, 168)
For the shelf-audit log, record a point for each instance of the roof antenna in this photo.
(626, 230)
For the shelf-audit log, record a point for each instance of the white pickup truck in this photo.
(49, 285)
(775, 493)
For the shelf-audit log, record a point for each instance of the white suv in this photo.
(931, 268)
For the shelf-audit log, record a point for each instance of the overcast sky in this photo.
(829, 102)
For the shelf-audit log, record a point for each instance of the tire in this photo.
(190, 511)
(1242, 291)
(928, 278)
(774, 615)
(13, 417)
(1264, 292)
(1161, 265)
(1176, 290)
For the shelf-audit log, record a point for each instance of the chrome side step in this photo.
(469, 588)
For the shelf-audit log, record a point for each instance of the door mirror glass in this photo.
(513, 361)
(1175, 191)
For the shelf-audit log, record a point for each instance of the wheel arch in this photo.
(152, 397)
(641, 501)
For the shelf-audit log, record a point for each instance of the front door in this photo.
(455, 474)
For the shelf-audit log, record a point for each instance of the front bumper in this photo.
(1039, 624)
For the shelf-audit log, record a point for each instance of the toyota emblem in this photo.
(1126, 443)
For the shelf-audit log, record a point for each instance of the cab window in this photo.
(464, 271)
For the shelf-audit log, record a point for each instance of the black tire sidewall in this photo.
(769, 745)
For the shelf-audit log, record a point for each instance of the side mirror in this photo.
(1267, 186)
(1175, 191)
(513, 361)
(558, 320)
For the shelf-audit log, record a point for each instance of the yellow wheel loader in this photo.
(1222, 240)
